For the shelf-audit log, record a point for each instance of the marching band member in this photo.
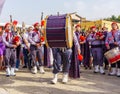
(105, 31)
(2, 50)
(59, 55)
(11, 43)
(36, 48)
(112, 41)
(74, 71)
(18, 49)
(63, 56)
(97, 51)
(80, 36)
(78, 31)
(88, 55)
(26, 46)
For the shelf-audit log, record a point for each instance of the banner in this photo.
(1, 5)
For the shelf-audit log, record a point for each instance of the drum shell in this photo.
(57, 31)
(113, 55)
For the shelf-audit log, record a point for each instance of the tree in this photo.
(113, 18)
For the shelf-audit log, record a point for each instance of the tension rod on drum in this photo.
(56, 28)
(56, 40)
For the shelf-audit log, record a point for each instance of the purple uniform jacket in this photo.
(8, 42)
(92, 39)
(76, 42)
(77, 35)
(74, 68)
(34, 37)
(111, 38)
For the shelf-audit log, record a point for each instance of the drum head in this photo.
(69, 31)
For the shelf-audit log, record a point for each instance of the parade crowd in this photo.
(29, 50)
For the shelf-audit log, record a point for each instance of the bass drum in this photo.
(59, 31)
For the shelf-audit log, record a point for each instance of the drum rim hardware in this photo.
(109, 55)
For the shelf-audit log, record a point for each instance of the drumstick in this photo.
(41, 16)
(41, 25)
(11, 22)
(58, 13)
(10, 18)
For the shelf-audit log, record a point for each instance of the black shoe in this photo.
(111, 74)
(24, 67)
(106, 68)
(103, 73)
(95, 72)
(86, 67)
(118, 75)
(38, 68)
(90, 68)
(7, 75)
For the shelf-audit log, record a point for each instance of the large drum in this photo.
(59, 31)
(113, 55)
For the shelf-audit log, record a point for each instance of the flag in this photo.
(1, 5)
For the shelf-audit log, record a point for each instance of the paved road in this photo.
(89, 83)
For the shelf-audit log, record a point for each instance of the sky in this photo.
(29, 11)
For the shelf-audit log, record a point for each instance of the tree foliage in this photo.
(113, 18)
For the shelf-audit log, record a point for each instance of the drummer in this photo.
(112, 41)
(63, 56)
(97, 51)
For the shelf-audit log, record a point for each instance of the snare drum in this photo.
(59, 31)
(113, 55)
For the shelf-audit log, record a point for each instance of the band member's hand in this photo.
(14, 46)
(18, 43)
(82, 42)
(101, 37)
(108, 47)
(97, 37)
(28, 49)
(115, 43)
(79, 51)
(38, 44)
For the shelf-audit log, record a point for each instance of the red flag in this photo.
(1, 5)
